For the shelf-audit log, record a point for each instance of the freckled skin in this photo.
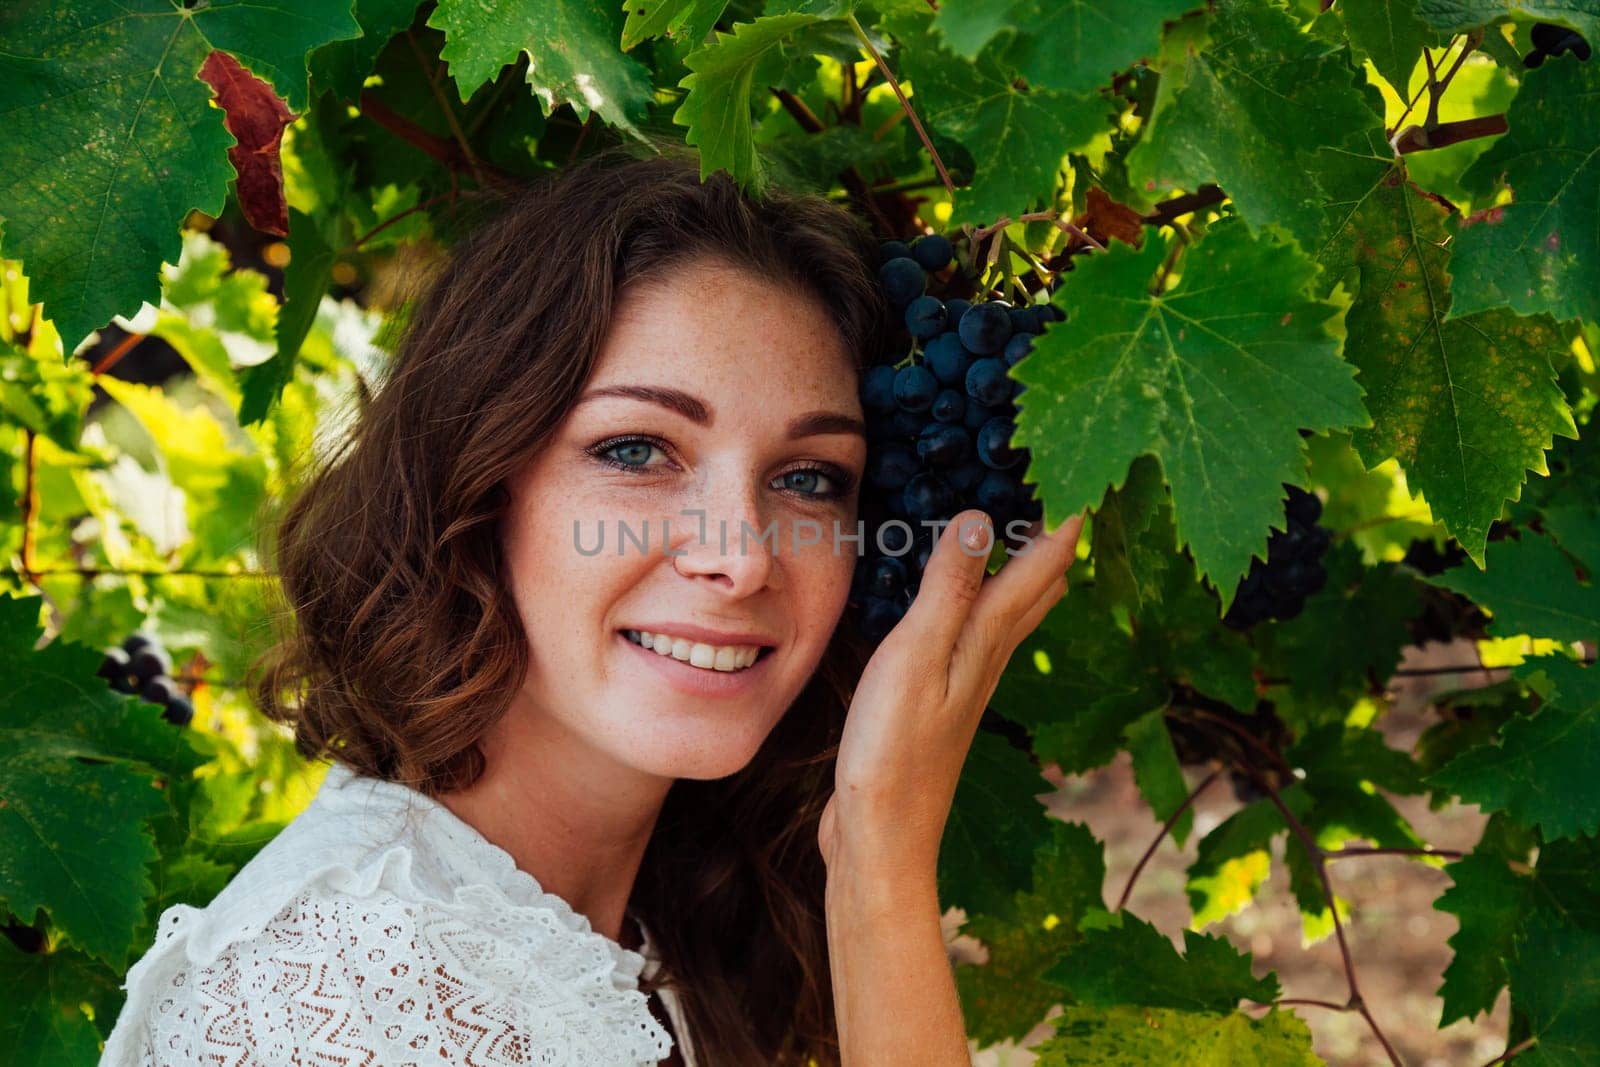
(757, 356)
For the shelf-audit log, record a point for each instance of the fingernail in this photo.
(977, 535)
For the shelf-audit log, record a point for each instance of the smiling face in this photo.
(714, 392)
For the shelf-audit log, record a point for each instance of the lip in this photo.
(705, 636)
(698, 681)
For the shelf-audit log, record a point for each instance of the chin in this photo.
(684, 755)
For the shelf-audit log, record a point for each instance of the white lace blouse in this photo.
(380, 930)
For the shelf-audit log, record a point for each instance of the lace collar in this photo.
(458, 855)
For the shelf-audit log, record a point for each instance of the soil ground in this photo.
(1397, 939)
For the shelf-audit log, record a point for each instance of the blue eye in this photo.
(633, 453)
(638, 449)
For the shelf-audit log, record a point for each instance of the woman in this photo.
(527, 804)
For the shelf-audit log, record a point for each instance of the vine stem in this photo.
(444, 106)
(1161, 835)
(1315, 854)
(1442, 853)
(1514, 1051)
(866, 42)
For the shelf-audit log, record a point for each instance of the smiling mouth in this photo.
(742, 661)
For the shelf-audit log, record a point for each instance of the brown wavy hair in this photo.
(398, 644)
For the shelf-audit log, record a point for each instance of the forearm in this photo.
(893, 990)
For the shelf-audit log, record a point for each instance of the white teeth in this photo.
(697, 654)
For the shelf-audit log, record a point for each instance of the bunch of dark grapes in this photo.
(1293, 571)
(1445, 615)
(1550, 40)
(142, 667)
(940, 422)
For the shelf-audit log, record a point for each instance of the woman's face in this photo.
(743, 419)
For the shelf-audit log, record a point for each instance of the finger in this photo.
(1036, 614)
(950, 586)
(1007, 597)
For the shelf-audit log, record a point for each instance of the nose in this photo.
(723, 537)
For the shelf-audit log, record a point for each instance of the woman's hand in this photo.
(923, 692)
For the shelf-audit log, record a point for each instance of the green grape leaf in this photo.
(1005, 997)
(45, 993)
(1136, 964)
(77, 769)
(1390, 34)
(1545, 769)
(344, 64)
(1490, 900)
(1454, 16)
(572, 47)
(686, 20)
(1137, 1037)
(727, 74)
(1529, 587)
(116, 84)
(1555, 986)
(1129, 575)
(1017, 136)
(996, 823)
(1215, 377)
(1253, 109)
(1541, 252)
(1467, 405)
(305, 282)
(1081, 678)
(1234, 859)
(1075, 46)
(968, 25)
(1156, 770)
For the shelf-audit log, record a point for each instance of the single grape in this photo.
(949, 406)
(928, 497)
(892, 250)
(943, 445)
(896, 539)
(1016, 348)
(150, 662)
(914, 388)
(160, 689)
(925, 317)
(987, 327)
(947, 359)
(902, 280)
(988, 383)
(115, 669)
(932, 252)
(994, 447)
(179, 711)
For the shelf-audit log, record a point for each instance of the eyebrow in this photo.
(699, 412)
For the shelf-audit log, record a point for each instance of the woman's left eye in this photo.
(633, 454)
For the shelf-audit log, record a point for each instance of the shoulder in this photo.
(380, 979)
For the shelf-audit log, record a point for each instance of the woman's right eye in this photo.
(628, 453)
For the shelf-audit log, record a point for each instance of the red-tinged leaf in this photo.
(256, 118)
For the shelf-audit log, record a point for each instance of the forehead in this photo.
(724, 329)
